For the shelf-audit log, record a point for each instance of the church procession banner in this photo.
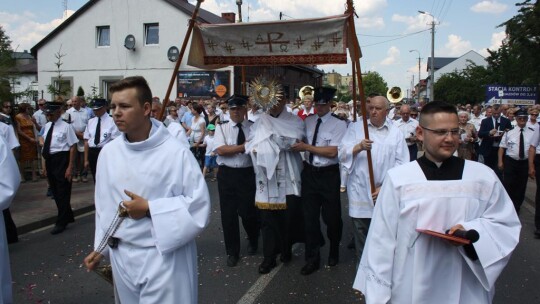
(292, 42)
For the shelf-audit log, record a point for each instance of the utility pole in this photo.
(419, 77)
(432, 66)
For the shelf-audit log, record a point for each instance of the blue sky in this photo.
(387, 29)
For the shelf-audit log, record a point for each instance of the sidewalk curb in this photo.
(50, 220)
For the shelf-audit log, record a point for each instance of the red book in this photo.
(445, 236)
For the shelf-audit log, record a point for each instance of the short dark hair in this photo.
(197, 107)
(437, 107)
(144, 94)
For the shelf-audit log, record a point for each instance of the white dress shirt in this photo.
(331, 131)
(227, 134)
(510, 141)
(108, 131)
(408, 128)
(63, 136)
(40, 118)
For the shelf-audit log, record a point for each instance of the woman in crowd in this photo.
(213, 118)
(196, 133)
(27, 138)
(467, 138)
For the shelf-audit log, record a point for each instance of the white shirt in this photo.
(63, 136)
(224, 116)
(108, 131)
(408, 128)
(196, 129)
(535, 140)
(8, 134)
(331, 131)
(476, 121)
(401, 265)
(510, 141)
(40, 118)
(226, 134)
(209, 141)
(388, 150)
(79, 118)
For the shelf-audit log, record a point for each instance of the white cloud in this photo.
(489, 7)
(269, 11)
(393, 56)
(496, 42)
(414, 23)
(369, 23)
(455, 46)
(24, 32)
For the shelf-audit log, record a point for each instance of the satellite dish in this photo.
(172, 53)
(129, 42)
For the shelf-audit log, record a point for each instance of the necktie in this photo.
(241, 136)
(521, 145)
(497, 124)
(314, 141)
(47, 145)
(97, 136)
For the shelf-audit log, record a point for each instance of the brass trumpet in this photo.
(394, 94)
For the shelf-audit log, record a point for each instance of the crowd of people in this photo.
(280, 170)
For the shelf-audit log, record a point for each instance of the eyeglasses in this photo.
(534, 114)
(443, 132)
(41, 104)
(7, 107)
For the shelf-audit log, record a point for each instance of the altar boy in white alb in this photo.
(9, 183)
(438, 192)
(160, 185)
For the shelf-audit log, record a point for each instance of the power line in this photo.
(446, 11)
(401, 37)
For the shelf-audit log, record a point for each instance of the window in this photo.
(106, 83)
(103, 35)
(151, 34)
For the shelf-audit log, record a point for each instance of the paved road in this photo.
(47, 269)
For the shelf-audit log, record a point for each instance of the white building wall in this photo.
(456, 66)
(87, 65)
(22, 83)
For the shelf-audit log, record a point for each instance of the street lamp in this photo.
(432, 76)
(239, 3)
(419, 77)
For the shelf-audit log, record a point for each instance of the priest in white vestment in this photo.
(277, 173)
(9, 183)
(439, 192)
(157, 180)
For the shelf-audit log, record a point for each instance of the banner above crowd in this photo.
(291, 42)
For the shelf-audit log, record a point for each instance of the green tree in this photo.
(516, 62)
(59, 88)
(374, 83)
(467, 86)
(6, 64)
(80, 92)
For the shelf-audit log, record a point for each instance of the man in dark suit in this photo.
(491, 131)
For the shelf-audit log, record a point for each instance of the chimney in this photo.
(231, 17)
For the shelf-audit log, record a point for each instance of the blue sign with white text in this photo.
(513, 95)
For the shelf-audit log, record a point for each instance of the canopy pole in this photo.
(181, 56)
(355, 58)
